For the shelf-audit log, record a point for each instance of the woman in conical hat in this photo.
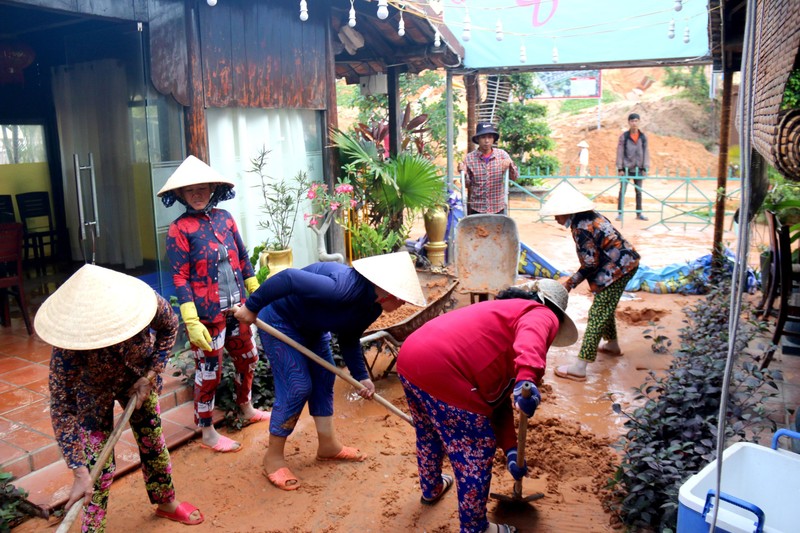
(99, 323)
(308, 305)
(608, 262)
(459, 371)
(211, 270)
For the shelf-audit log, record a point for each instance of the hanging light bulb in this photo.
(383, 9)
(352, 21)
(211, 3)
(678, 5)
(467, 33)
(303, 10)
(437, 38)
(401, 26)
(671, 29)
(555, 53)
(498, 30)
(523, 55)
(686, 35)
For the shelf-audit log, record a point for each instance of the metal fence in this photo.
(670, 199)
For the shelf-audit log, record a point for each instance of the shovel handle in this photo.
(332, 368)
(522, 435)
(108, 449)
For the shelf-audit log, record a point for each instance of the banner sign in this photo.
(568, 84)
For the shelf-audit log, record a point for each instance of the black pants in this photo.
(637, 184)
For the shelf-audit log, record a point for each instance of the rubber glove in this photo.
(527, 405)
(198, 333)
(516, 471)
(251, 284)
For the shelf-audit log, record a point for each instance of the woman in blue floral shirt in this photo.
(608, 262)
(211, 270)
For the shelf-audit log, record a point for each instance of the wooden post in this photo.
(195, 115)
(722, 173)
(471, 86)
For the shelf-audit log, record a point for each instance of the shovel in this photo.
(108, 449)
(522, 434)
(332, 368)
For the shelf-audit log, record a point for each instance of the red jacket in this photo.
(471, 357)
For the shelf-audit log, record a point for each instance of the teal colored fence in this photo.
(669, 198)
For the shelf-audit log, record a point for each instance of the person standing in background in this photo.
(583, 159)
(633, 159)
(485, 173)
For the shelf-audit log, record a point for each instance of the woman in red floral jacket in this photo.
(211, 270)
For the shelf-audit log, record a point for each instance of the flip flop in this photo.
(347, 454)
(566, 375)
(224, 445)
(605, 351)
(448, 482)
(182, 514)
(281, 477)
(260, 416)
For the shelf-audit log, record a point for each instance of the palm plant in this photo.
(389, 190)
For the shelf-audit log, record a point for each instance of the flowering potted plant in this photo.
(327, 208)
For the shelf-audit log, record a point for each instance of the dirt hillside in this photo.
(676, 127)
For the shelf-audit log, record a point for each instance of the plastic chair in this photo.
(37, 221)
(11, 280)
(6, 209)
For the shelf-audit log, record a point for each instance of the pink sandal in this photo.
(224, 445)
(182, 514)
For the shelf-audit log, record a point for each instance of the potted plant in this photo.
(281, 202)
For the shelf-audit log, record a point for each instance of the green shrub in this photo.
(12, 504)
(671, 435)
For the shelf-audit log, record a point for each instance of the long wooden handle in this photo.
(332, 368)
(108, 449)
(522, 436)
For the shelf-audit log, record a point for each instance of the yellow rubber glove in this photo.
(251, 284)
(198, 333)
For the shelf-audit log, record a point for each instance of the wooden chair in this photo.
(11, 278)
(6, 209)
(789, 310)
(37, 221)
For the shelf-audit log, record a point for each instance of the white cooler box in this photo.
(760, 491)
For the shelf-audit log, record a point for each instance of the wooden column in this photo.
(195, 113)
(393, 87)
(722, 172)
(336, 238)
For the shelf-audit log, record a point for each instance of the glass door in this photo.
(118, 137)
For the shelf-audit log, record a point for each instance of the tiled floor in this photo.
(27, 447)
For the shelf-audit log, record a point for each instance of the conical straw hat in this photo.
(583, 144)
(566, 200)
(395, 274)
(96, 307)
(555, 293)
(193, 172)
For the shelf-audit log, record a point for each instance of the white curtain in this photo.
(235, 136)
(91, 101)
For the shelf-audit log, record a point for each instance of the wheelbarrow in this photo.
(389, 339)
(486, 254)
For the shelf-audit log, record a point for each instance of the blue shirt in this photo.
(320, 298)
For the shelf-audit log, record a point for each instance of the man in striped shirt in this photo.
(485, 173)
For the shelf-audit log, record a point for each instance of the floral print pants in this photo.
(156, 467)
(237, 338)
(601, 323)
(469, 442)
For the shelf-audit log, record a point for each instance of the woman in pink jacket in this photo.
(459, 371)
